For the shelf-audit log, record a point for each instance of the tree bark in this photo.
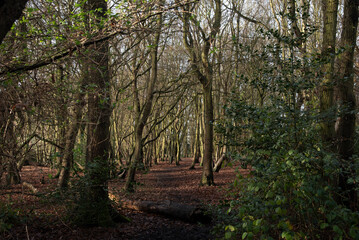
(10, 11)
(196, 147)
(95, 208)
(330, 10)
(345, 131)
(207, 171)
(9, 148)
(178, 149)
(219, 163)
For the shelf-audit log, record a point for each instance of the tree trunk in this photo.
(207, 172)
(196, 150)
(174, 210)
(95, 208)
(172, 149)
(202, 68)
(201, 140)
(345, 131)
(10, 11)
(178, 149)
(70, 141)
(163, 149)
(13, 175)
(137, 156)
(330, 10)
(9, 146)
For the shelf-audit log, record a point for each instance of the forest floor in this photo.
(44, 217)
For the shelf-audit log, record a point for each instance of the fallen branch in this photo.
(30, 187)
(170, 209)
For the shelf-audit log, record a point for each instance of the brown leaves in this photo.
(46, 220)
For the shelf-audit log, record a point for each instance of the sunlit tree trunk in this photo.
(178, 149)
(330, 10)
(163, 148)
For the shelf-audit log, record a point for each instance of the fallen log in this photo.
(171, 209)
(184, 212)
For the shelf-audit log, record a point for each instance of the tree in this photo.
(70, 137)
(345, 131)
(196, 135)
(9, 12)
(95, 206)
(143, 114)
(199, 53)
(330, 12)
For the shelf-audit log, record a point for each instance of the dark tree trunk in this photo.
(137, 156)
(345, 131)
(196, 147)
(10, 11)
(95, 207)
(207, 172)
(8, 147)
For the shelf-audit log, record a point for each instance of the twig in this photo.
(27, 233)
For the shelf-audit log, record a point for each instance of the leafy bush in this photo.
(288, 193)
(291, 191)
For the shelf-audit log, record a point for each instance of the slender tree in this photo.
(202, 68)
(143, 114)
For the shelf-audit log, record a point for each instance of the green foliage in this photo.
(8, 217)
(291, 191)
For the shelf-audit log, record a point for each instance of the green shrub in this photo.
(8, 217)
(291, 191)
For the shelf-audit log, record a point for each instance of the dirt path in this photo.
(178, 183)
(163, 182)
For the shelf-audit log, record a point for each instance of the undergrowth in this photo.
(292, 191)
